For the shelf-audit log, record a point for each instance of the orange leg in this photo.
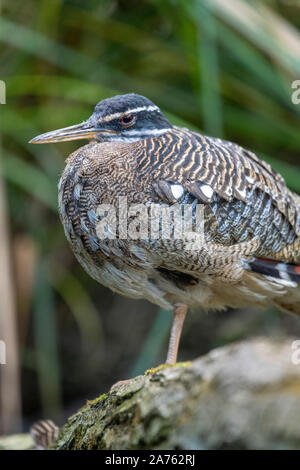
(178, 320)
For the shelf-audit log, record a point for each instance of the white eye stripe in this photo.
(120, 138)
(110, 117)
(133, 136)
(145, 132)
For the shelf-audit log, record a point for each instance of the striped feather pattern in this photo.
(44, 433)
(249, 214)
(187, 157)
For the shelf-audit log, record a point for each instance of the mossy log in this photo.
(241, 396)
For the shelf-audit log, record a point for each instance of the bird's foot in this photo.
(151, 371)
(120, 383)
(154, 370)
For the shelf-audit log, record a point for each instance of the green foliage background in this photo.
(223, 68)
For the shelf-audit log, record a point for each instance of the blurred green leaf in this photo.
(29, 178)
(46, 353)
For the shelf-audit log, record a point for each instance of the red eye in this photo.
(127, 119)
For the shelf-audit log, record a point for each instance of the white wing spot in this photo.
(77, 190)
(207, 191)
(177, 190)
(242, 192)
(250, 180)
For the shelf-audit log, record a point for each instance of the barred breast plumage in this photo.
(249, 252)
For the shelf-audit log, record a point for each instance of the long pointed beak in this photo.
(79, 131)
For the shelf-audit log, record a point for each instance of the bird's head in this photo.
(125, 118)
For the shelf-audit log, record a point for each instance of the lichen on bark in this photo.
(242, 396)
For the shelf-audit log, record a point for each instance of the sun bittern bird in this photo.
(248, 253)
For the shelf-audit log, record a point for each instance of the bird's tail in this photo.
(290, 303)
(287, 275)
